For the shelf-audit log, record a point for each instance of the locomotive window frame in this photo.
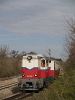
(43, 62)
(47, 62)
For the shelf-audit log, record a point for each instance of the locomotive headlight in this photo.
(35, 75)
(29, 57)
(23, 75)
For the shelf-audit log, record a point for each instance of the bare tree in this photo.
(3, 51)
(71, 44)
(14, 53)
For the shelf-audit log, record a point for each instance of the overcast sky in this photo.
(35, 25)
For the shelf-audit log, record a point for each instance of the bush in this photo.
(8, 64)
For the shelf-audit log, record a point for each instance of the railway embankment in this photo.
(8, 86)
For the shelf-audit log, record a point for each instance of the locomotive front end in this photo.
(30, 73)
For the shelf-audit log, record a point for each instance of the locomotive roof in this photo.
(34, 55)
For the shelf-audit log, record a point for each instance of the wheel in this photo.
(36, 91)
(45, 85)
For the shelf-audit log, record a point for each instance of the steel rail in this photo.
(18, 96)
(8, 85)
(8, 78)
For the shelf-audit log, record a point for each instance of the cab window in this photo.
(43, 63)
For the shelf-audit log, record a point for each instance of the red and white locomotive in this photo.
(37, 71)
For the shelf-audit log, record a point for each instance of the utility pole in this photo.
(49, 53)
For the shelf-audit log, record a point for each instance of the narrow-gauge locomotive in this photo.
(36, 71)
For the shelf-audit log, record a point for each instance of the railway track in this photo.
(8, 85)
(9, 78)
(18, 96)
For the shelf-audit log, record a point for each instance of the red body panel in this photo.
(38, 73)
(44, 73)
(53, 73)
(30, 73)
(34, 73)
